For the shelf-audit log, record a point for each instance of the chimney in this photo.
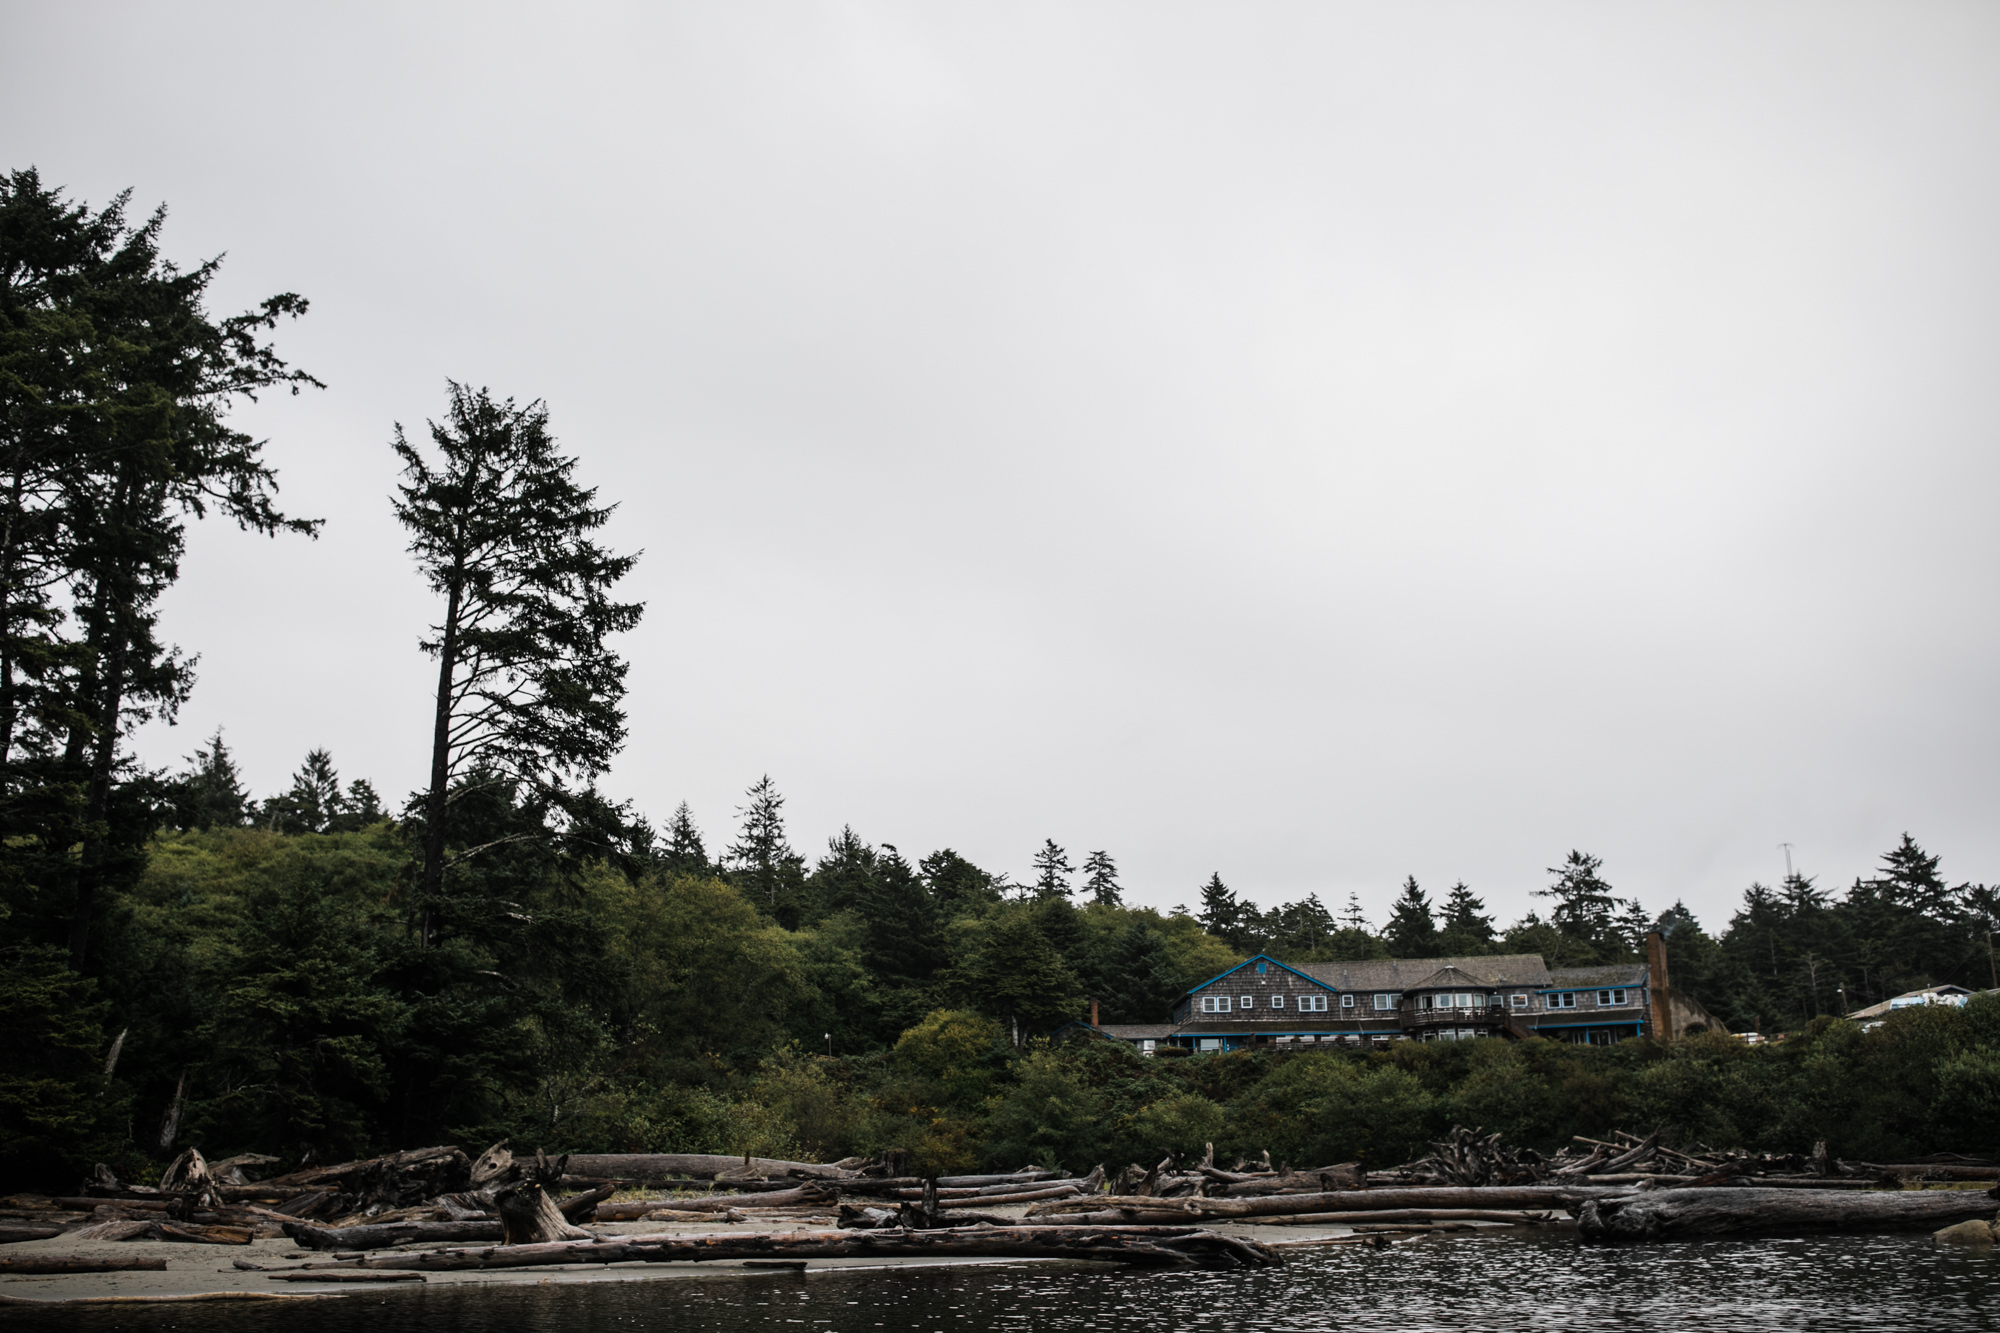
(1659, 1010)
(1093, 1013)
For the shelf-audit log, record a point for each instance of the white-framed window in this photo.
(1347, 1001)
(1610, 999)
(1384, 1003)
(1249, 1002)
(1146, 1046)
(1314, 1004)
(1277, 1001)
(1215, 1004)
(1564, 1000)
(1518, 1001)
(1208, 1043)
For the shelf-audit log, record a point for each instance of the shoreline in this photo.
(206, 1272)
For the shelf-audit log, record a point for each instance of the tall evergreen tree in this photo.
(1301, 931)
(528, 686)
(1221, 914)
(1100, 880)
(763, 862)
(1585, 908)
(843, 879)
(1137, 977)
(115, 388)
(956, 885)
(1467, 929)
(1412, 931)
(210, 794)
(684, 851)
(314, 802)
(1052, 871)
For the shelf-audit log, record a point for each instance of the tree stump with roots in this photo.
(528, 1216)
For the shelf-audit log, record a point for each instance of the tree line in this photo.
(507, 952)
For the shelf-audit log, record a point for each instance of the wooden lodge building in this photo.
(1264, 1002)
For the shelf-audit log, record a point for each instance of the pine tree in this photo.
(1412, 931)
(1221, 914)
(113, 431)
(843, 878)
(1351, 916)
(763, 862)
(528, 689)
(1137, 977)
(903, 942)
(684, 853)
(1585, 910)
(1100, 880)
(315, 800)
(1467, 928)
(1301, 931)
(956, 885)
(361, 807)
(1014, 975)
(1052, 871)
(210, 793)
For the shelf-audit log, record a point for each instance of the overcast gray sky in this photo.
(1315, 442)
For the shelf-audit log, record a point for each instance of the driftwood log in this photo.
(1019, 1177)
(383, 1236)
(1161, 1247)
(11, 1232)
(631, 1210)
(1719, 1212)
(62, 1263)
(1491, 1197)
(335, 1275)
(660, 1166)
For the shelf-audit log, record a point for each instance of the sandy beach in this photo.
(209, 1272)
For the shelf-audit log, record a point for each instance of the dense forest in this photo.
(503, 952)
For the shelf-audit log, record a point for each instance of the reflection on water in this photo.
(1494, 1283)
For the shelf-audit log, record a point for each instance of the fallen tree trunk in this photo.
(1162, 1247)
(1018, 1178)
(1412, 1215)
(583, 1207)
(11, 1232)
(630, 1210)
(62, 1263)
(1154, 1212)
(163, 1230)
(329, 1275)
(1298, 1182)
(1438, 1196)
(1721, 1212)
(659, 1166)
(1002, 1200)
(381, 1236)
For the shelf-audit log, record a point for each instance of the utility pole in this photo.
(1788, 858)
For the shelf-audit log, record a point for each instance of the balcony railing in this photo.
(1484, 1013)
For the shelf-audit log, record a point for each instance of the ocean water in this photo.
(1499, 1283)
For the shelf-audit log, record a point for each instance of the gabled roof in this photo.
(1611, 974)
(1256, 958)
(1137, 1031)
(1512, 969)
(1449, 978)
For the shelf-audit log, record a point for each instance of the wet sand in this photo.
(207, 1272)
